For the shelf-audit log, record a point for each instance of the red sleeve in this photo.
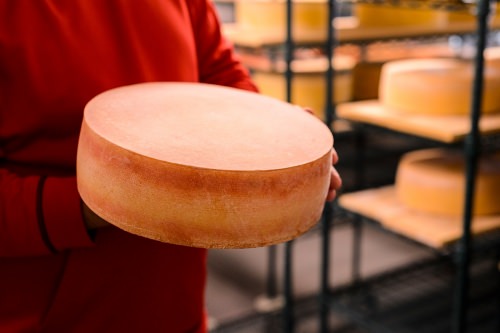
(46, 212)
(217, 62)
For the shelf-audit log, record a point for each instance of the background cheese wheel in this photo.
(366, 78)
(492, 56)
(436, 86)
(433, 181)
(309, 82)
(203, 165)
(378, 15)
(309, 16)
(366, 72)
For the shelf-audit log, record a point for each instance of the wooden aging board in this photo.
(438, 231)
(203, 165)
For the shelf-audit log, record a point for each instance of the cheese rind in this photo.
(309, 17)
(373, 15)
(308, 83)
(202, 165)
(387, 15)
(433, 181)
(436, 86)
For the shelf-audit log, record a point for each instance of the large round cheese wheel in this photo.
(433, 181)
(379, 15)
(366, 73)
(308, 82)
(203, 165)
(366, 77)
(309, 17)
(492, 56)
(468, 15)
(436, 86)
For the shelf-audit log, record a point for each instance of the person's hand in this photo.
(91, 219)
(335, 180)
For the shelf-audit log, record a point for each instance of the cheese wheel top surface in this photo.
(436, 86)
(208, 126)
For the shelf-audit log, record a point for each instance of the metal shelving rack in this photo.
(381, 317)
(378, 304)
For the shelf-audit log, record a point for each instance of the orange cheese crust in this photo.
(433, 181)
(195, 205)
(309, 82)
(377, 15)
(309, 17)
(436, 86)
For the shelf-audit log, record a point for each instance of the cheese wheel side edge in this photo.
(233, 208)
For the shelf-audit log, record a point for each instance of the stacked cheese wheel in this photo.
(309, 17)
(309, 82)
(203, 165)
(366, 73)
(433, 181)
(492, 56)
(436, 86)
(387, 15)
(376, 15)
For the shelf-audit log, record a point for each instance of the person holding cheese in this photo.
(62, 269)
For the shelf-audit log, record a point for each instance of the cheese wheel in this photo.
(469, 16)
(377, 15)
(308, 82)
(492, 56)
(366, 77)
(309, 17)
(203, 165)
(433, 181)
(436, 86)
(366, 73)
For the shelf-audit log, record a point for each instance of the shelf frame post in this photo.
(472, 147)
(288, 310)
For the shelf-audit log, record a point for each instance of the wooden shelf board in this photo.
(382, 205)
(448, 129)
(347, 30)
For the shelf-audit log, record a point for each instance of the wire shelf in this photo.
(420, 299)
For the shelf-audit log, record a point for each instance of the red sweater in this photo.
(54, 57)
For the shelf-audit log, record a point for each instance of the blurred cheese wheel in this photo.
(366, 73)
(309, 82)
(492, 56)
(380, 15)
(468, 14)
(309, 17)
(436, 86)
(203, 165)
(366, 77)
(433, 181)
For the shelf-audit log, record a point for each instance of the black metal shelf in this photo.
(413, 298)
(419, 299)
(464, 299)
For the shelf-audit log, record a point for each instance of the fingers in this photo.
(335, 180)
(308, 109)
(335, 156)
(91, 219)
(335, 184)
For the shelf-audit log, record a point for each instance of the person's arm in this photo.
(217, 63)
(39, 215)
